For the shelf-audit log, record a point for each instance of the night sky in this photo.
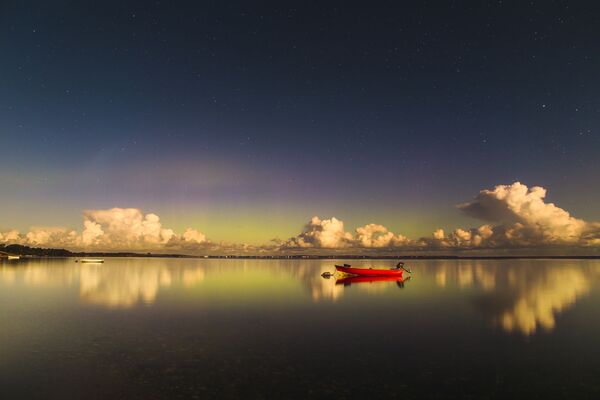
(244, 120)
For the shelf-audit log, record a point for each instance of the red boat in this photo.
(347, 269)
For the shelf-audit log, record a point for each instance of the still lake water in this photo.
(186, 328)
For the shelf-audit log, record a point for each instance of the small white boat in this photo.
(92, 260)
(13, 257)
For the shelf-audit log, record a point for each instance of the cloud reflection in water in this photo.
(521, 298)
(518, 296)
(112, 285)
(537, 303)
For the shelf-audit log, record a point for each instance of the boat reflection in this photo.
(349, 280)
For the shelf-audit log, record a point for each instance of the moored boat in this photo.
(347, 269)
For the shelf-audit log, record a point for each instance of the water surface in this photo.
(187, 328)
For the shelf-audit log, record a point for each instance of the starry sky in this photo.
(245, 119)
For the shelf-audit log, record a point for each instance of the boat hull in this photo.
(370, 271)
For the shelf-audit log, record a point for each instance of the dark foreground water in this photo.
(172, 328)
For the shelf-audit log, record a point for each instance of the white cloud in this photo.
(459, 238)
(328, 234)
(517, 216)
(11, 236)
(526, 219)
(55, 236)
(193, 236)
(373, 235)
(115, 229)
(126, 228)
(439, 234)
(522, 219)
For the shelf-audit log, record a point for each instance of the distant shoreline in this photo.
(30, 257)
(35, 257)
(349, 257)
(36, 252)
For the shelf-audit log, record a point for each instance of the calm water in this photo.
(171, 328)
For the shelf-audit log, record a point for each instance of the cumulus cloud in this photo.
(525, 217)
(591, 236)
(331, 234)
(11, 236)
(193, 236)
(327, 234)
(115, 229)
(124, 227)
(514, 216)
(40, 236)
(459, 238)
(373, 235)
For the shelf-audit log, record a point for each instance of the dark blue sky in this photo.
(361, 110)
